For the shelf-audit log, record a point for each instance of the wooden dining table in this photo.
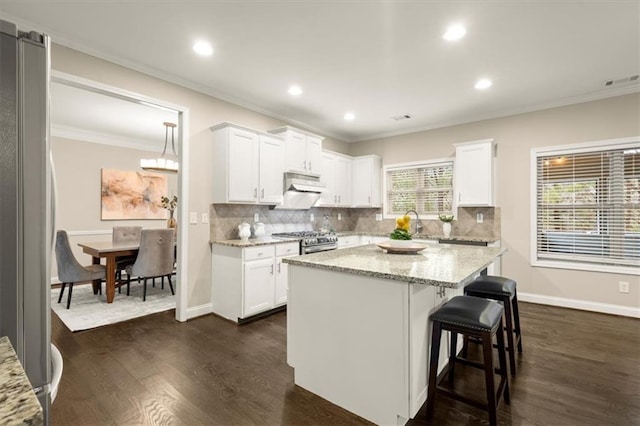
(110, 251)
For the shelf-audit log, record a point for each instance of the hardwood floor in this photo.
(578, 368)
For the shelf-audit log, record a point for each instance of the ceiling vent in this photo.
(629, 79)
(401, 117)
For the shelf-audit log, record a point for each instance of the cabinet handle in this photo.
(369, 199)
(304, 164)
(339, 198)
(255, 192)
(335, 198)
(309, 165)
(279, 264)
(272, 269)
(262, 194)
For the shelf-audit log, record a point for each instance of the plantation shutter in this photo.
(588, 207)
(427, 189)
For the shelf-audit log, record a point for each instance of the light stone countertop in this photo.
(480, 239)
(18, 402)
(251, 242)
(442, 265)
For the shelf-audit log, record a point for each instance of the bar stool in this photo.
(503, 290)
(478, 318)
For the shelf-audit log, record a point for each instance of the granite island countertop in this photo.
(442, 265)
(437, 237)
(18, 402)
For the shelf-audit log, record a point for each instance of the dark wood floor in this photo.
(579, 368)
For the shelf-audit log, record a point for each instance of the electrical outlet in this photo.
(378, 217)
(339, 216)
(205, 218)
(479, 217)
(623, 287)
(256, 217)
(311, 217)
(193, 218)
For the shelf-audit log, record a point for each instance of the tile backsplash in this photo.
(225, 218)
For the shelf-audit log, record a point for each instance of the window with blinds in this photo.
(425, 187)
(588, 205)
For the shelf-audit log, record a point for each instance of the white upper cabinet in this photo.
(474, 173)
(303, 150)
(366, 182)
(335, 174)
(248, 166)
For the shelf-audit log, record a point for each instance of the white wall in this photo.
(78, 167)
(515, 135)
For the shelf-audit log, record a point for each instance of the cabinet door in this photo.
(327, 177)
(474, 174)
(243, 166)
(295, 152)
(313, 154)
(271, 170)
(361, 182)
(282, 281)
(258, 286)
(343, 181)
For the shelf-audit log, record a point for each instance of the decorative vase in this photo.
(446, 229)
(171, 222)
(244, 231)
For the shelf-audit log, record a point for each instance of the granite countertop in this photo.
(251, 242)
(442, 265)
(18, 402)
(481, 239)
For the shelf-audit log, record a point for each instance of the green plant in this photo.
(400, 234)
(446, 217)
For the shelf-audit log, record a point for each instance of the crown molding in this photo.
(102, 138)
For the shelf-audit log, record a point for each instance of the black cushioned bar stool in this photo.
(503, 290)
(478, 318)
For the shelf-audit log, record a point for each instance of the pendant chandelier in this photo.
(163, 164)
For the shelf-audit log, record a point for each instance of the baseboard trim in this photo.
(584, 305)
(197, 311)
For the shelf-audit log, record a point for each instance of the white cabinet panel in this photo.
(366, 181)
(474, 173)
(247, 166)
(303, 150)
(259, 282)
(328, 179)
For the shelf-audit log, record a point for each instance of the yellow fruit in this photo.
(406, 227)
(400, 222)
(407, 219)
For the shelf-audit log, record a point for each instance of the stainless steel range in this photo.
(312, 241)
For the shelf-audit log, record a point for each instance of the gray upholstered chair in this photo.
(70, 271)
(125, 234)
(155, 257)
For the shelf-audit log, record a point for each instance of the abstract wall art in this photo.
(132, 195)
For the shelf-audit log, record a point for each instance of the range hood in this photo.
(301, 191)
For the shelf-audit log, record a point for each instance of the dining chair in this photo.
(124, 234)
(70, 271)
(155, 258)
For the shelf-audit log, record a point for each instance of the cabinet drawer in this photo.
(288, 249)
(260, 252)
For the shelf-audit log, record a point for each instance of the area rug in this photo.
(90, 311)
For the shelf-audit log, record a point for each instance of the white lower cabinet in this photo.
(248, 281)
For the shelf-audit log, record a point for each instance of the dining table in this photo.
(110, 251)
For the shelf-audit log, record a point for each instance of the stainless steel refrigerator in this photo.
(26, 230)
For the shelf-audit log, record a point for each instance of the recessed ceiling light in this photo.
(483, 83)
(349, 116)
(295, 90)
(454, 32)
(203, 48)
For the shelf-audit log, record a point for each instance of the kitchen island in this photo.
(358, 331)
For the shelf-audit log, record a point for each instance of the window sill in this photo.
(623, 270)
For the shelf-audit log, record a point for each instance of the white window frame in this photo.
(416, 164)
(559, 150)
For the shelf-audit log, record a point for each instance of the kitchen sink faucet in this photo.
(418, 222)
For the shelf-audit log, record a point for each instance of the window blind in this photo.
(425, 188)
(588, 207)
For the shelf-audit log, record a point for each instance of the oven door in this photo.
(318, 248)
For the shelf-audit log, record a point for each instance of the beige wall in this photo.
(204, 112)
(515, 136)
(78, 165)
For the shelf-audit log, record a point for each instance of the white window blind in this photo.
(588, 206)
(426, 188)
